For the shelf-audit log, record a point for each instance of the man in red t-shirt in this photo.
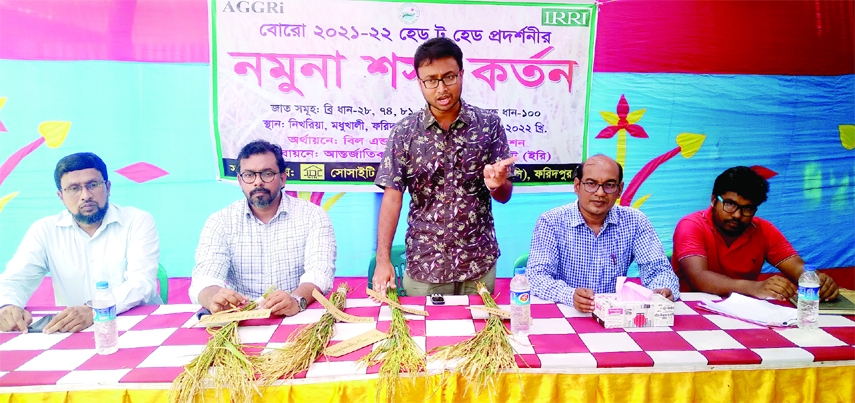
(721, 250)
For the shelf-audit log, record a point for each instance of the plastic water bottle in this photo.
(520, 303)
(808, 305)
(106, 332)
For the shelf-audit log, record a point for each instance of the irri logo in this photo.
(566, 17)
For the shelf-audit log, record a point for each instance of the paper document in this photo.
(752, 310)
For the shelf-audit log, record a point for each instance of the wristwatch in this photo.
(88, 304)
(301, 302)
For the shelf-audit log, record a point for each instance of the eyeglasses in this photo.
(92, 187)
(731, 207)
(266, 176)
(448, 80)
(608, 187)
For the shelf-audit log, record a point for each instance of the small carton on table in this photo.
(633, 306)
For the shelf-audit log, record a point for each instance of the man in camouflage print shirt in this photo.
(453, 157)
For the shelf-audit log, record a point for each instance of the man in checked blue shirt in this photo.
(580, 249)
(266, 239)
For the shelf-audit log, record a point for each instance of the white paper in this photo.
(628, 291)
(753, 310)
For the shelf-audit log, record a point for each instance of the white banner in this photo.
(327, 80)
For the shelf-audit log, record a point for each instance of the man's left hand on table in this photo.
(71, 320)
(828, 289)
(665, 292)
(281, 303)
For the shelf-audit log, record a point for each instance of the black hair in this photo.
(579, 168)
(260, 147)
(437, 48)
(743, 181)
(77, 162)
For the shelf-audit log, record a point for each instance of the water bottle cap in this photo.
(810, 267)
(102, 285)
(519, 270)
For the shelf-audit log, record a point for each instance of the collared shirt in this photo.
(697, 235)
(565, 253)
(124, 251)
(450, 236)
(239, 251)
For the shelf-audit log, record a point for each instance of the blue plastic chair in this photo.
(522, 261)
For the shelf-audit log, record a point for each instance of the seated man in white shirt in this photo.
(267, 239)
(92, 241)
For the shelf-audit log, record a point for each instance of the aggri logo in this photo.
(408, 13)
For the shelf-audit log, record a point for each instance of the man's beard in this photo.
(740, 228)
(261, 202)
(93, 218)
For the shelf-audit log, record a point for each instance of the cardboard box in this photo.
(612, 312)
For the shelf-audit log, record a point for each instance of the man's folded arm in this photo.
(703, 279)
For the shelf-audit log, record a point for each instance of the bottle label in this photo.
(105, 314)
(520, 298)
(809, 293)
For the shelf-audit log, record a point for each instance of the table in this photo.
(567, 357)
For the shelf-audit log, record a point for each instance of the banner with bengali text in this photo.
(327, 80)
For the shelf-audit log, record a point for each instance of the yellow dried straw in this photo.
(221, 365)
(397, 353)
(485, 356)
(303, 346)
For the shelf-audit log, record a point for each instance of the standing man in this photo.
(93, 240)
(721, 250)
(453, 157)
(581, 248)
(267, 239)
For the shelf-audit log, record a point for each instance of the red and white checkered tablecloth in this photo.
(156, 341)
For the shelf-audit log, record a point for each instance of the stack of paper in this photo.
(752, 310)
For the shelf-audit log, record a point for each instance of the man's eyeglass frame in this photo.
(587, 187)
(270, 175)
(747, 211)
(435, 81)
(91, 186)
